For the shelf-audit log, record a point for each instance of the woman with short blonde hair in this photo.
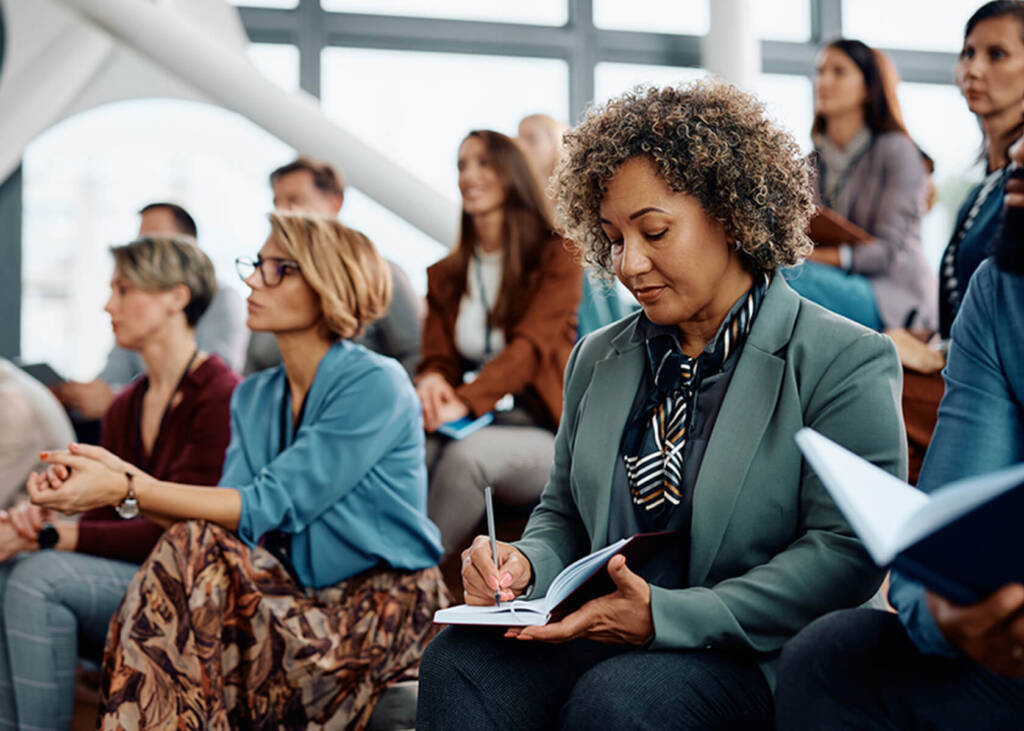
(61, 580)
(314, 565)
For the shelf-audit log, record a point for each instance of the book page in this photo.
(572, 576)
(877, 505)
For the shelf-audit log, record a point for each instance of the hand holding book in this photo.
(620, 618)
(990, 632)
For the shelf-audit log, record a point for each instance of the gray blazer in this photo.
(769, 550)
(884, 195)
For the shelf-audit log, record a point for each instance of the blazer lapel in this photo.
(746, 411)
(609, 400)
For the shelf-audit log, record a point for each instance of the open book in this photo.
(576, 584)
(962, 541)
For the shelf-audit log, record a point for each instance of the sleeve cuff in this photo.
(845, 257)
(909, 599)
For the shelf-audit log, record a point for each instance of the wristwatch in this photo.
(47, 536)
(129, 507)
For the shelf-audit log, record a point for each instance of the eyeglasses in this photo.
(272, 269)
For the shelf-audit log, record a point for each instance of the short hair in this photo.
(326, 177)
(184, 221)
(159, 263)
(343, 267)
(707, 139)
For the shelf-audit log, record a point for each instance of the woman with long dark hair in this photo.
(870, 172)
(501, 321)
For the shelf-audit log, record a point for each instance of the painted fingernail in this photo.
(44, 455)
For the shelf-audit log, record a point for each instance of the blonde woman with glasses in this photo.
(306, 585)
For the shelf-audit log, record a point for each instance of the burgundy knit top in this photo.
(189, 448)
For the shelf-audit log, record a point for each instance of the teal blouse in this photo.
(351, 485)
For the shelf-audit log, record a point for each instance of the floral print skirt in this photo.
(214, 635)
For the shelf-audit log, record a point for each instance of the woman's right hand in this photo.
(480, 577)
(435, 393)
(914, 354)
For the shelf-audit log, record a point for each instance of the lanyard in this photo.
(140, 458)
(828, 197)
(478, 270)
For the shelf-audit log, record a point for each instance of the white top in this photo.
(471, 324)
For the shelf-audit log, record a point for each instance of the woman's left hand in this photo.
(451, 411)
(97, 479)
(620, 618)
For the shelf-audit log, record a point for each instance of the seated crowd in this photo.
(264, 553)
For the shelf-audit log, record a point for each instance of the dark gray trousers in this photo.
(857, 669)
(473, 678)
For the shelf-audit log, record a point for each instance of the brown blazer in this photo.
(537, 345)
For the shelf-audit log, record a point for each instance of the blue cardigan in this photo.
(351, 485)
(981, 417)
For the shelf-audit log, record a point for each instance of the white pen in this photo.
(489, 502)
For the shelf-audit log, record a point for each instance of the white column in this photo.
(731, 48)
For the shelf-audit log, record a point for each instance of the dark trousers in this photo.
(473, 678)
(857, 669)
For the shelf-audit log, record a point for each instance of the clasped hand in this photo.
(79, 479)
(990, 632)
(440, 403)
(622, 617)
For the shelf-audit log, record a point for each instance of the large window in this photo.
(411, 87)
(939, 121)
(417, 108)
(928, 25)
(540, 12)
(85, 180)
(786, 20)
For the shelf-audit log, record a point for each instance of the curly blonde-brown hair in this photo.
(709, 140)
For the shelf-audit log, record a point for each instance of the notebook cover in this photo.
(977, 553)
(828, 228)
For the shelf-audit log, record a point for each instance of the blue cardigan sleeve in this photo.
(979, 430)
(352, 430)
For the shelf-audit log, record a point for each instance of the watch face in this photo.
(47, 536)
(129, 508)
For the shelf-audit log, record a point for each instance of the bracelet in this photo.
(129, 507)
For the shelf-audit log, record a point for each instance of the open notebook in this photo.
(576, 584)
(962, 541)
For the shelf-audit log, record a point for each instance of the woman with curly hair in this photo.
(681, 418)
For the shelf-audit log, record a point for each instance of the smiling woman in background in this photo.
(681, 417)
(501, 321)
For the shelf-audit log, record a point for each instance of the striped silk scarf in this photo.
(653, 443)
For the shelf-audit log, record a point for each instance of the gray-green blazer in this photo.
(769, 550)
